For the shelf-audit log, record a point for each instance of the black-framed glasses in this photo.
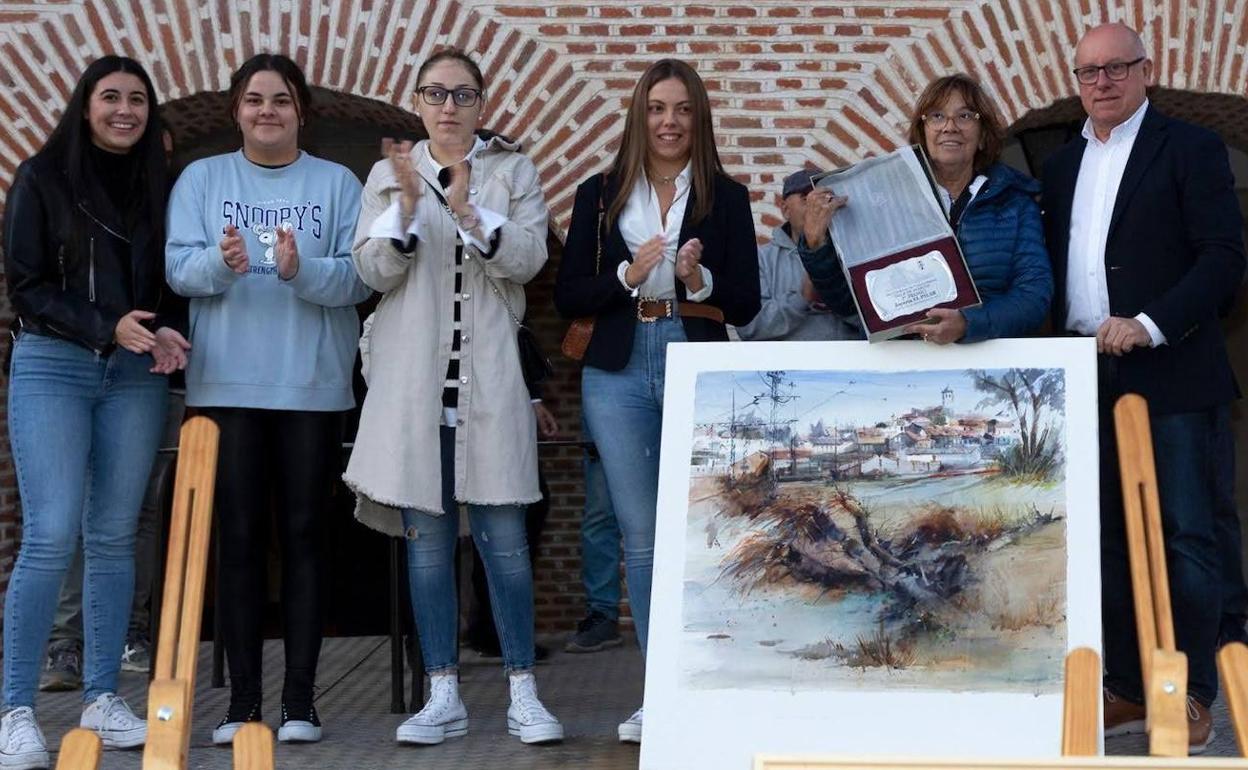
(961, 119)
(1115, 70)
(435, 95)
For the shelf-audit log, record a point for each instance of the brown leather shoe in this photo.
(1121, 716)
(1199, 726)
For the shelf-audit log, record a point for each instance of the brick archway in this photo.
(792, 83)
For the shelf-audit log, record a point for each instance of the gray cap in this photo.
(799, 182)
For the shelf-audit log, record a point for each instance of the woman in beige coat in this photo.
(450, 230)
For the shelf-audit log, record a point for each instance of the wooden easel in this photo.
(253, 747)
(171, 695)
(1164, 668)
(80, 750)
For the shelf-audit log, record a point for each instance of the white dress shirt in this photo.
(642, 219)
(389, 224)
(1096, 190)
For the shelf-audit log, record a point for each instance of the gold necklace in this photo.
(666, 179)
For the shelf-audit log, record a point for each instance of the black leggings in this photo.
(283, 461)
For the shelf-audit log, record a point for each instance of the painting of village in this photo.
(894, 530)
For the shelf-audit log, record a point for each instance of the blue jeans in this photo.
(600, 540)
(624, 412)
(84, 431)
(1189, 485)
(499, 534)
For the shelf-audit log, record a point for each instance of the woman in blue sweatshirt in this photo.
(992, 209)
(260, 240)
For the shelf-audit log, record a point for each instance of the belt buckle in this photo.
(651, 319)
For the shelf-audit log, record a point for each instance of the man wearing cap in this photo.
(786, 314)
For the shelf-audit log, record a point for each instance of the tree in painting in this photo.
(1033, 395)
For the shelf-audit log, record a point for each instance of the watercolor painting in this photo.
(871, 549)
(895, 530)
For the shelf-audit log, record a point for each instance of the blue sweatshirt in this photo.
(258, 341)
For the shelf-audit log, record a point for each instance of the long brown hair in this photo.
(991, 124)
(630, 161)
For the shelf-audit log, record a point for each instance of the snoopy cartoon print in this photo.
(268, 239)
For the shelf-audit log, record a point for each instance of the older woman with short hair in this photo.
(991, 207)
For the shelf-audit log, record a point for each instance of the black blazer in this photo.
(1175, 251)
(587, 286)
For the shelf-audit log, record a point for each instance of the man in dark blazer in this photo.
(1144, 231)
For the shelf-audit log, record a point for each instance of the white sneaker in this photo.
(527, 717)
(302, 727)
(443, 716)
(238, 714)
(22, 746)
(630, 729)
(117, 726)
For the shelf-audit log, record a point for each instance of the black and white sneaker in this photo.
(299, 724)
(239, 714)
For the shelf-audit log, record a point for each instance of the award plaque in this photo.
(897, 250)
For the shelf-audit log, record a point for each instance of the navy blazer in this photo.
(1175, 252)
(588, 286)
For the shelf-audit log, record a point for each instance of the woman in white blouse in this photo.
(450, 230)
(661, 249)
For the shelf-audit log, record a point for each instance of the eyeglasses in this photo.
(1115, 70)
(435, 95)
(963, 119)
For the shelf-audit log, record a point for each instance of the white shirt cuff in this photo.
(390, 225)
(490, 222)
(701, 294)
(633, 291)
(1153, 331)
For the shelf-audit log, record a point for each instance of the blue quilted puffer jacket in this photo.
(1003, 241)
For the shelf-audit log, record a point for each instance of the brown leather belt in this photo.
(651, 310)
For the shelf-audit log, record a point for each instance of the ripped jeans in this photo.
(499, 534)
(624, 413)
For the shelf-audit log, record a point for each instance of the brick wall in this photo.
(792, 83)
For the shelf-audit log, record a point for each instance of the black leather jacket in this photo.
(72, 271)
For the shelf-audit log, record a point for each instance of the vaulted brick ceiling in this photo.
(793, 83)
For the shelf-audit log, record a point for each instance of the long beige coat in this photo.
(396, 460)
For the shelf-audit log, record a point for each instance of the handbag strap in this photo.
(493, 286)
(602, 184)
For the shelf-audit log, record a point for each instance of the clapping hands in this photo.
(286, 252)
(234, 250)
(648, 256)
(400, 155)
(689, 265)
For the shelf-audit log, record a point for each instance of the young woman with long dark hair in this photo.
(94, 340)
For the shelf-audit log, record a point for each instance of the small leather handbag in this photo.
(581, 330)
